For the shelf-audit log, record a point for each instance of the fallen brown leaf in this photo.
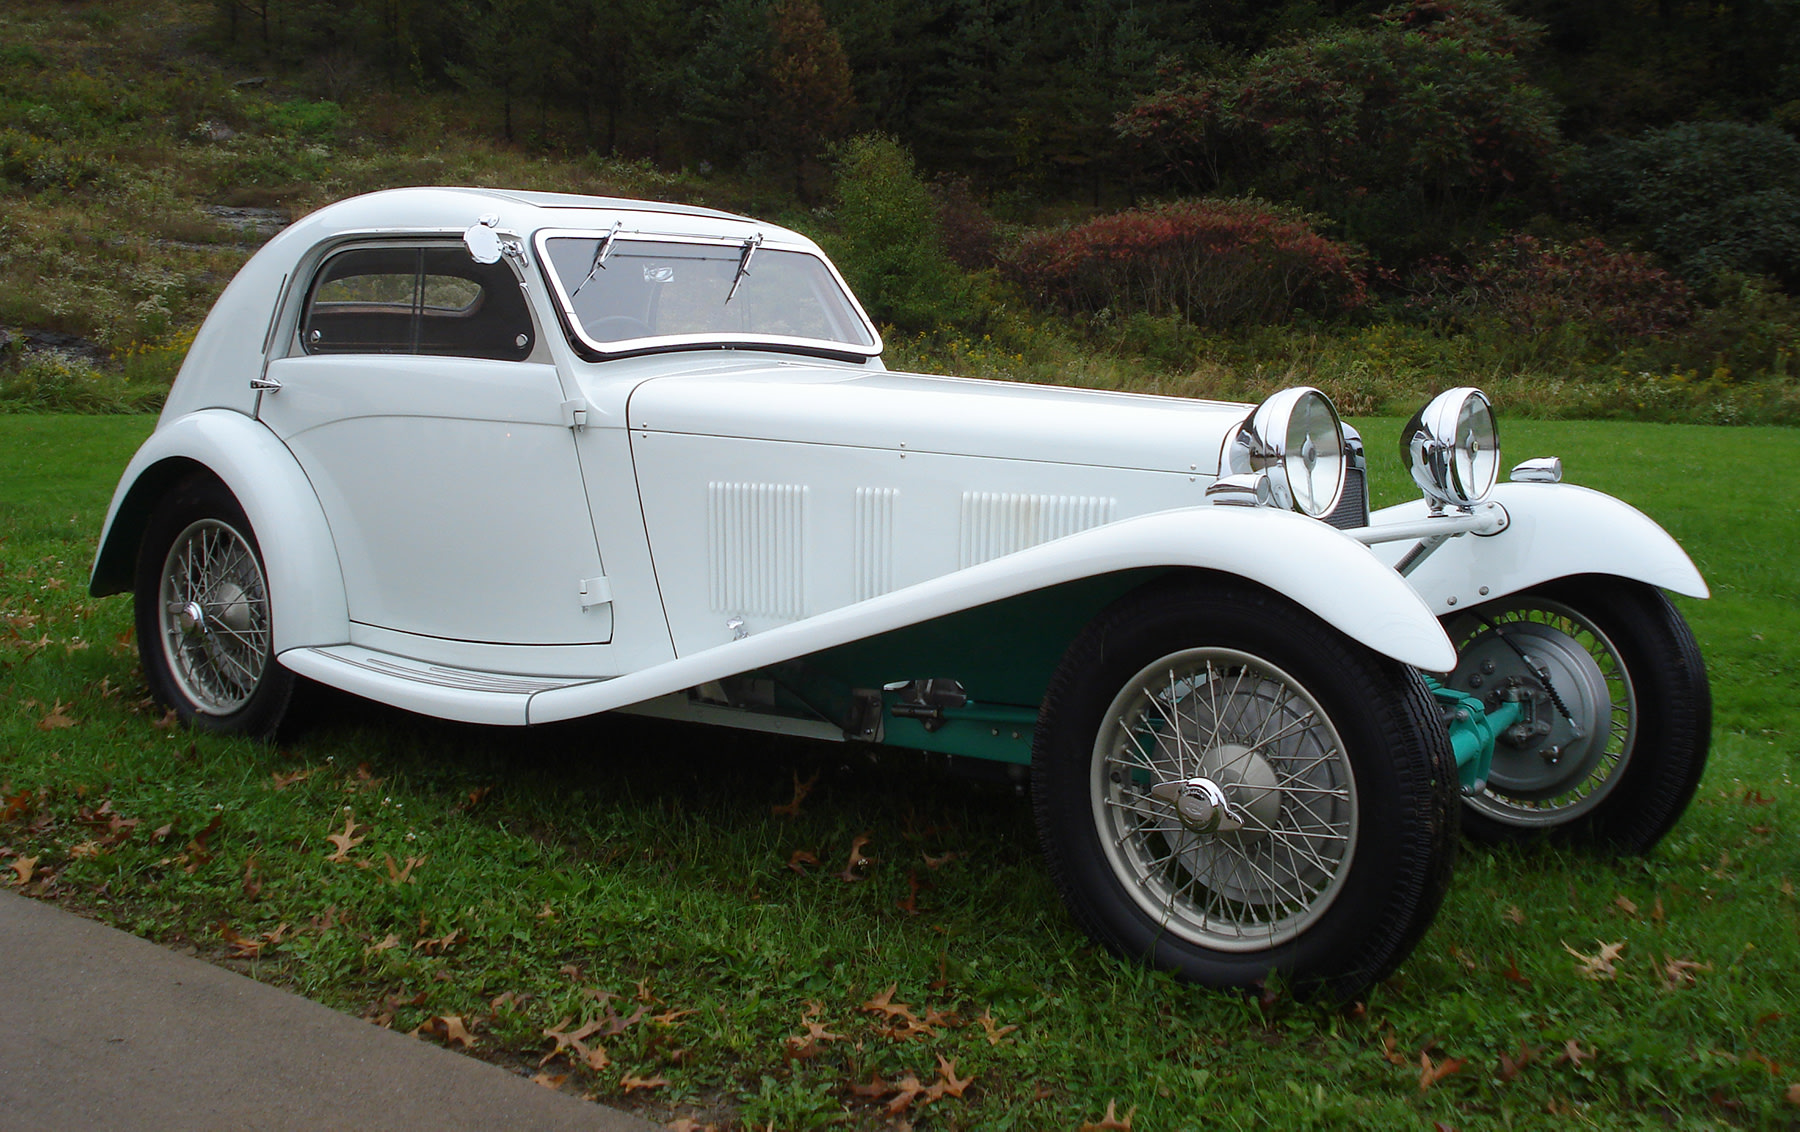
(875, 1088)
(399, 874)
(995, 1034)
(17, 805)
(1600, 965)
(911, 904)
(1512, 974)
(791, 809)
(1625, 904)
(1511, 1066)
(630, 1082)
(1390, 1051)
(22, 868)
(1512, 913)
(948, 1084)
(1574, 1054)
(854, 869)
(57, 719)
(550, 1080)
(908, 1090)
(449, 1028)
(1793, 1094)
(282, 781)
(801, 858)
(392, 941)
(1679, 973)
(1430, 1074)
(346, 840)
(1111, 1121)
(439, 945)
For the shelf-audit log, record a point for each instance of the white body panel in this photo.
(411, 457)
(1553, 531)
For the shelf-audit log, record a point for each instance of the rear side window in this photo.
(416, 300)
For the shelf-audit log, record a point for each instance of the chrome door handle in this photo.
(265, 384)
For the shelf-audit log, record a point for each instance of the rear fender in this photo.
(1308, 562)
(306, 585)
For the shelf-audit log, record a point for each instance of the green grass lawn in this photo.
(631, 880)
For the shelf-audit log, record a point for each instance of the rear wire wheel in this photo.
(1227, 787)
(204, 618)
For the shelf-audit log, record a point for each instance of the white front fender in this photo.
(306, 585)
(1302, 559)
(1553, 531)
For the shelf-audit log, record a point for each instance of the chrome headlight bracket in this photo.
(1296, 441)
(1452, 448)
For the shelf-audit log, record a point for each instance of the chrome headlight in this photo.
(1296, 440)
(1452, 448)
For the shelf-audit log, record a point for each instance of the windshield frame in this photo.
(664, 343)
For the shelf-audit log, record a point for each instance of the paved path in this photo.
(100, 1029)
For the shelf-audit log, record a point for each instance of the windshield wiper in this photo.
(750, 247)
(600, 254)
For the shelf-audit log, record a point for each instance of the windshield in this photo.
(625, 293)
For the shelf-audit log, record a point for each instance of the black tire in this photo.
(203, 614)
(1621, 795)
(1358, 735)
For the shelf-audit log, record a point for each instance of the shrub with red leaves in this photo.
(1539, 286)
(1214, 262)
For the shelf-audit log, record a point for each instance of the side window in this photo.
(416, 300)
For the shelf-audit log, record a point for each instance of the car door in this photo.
(417, 402)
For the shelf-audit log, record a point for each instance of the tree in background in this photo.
(1710, 197)
(891, 251)
(1407, 130)
(810, 98)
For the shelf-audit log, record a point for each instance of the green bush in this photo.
(49, 383)
(890, 248)
(1710, 197)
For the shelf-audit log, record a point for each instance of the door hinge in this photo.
(595, 591)
(575, 414)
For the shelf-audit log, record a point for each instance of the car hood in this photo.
(822, 404)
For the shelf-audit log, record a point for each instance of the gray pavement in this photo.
(100, 1029)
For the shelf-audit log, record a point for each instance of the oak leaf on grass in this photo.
(1599, 966)
(1431, 1073)
(347, 839)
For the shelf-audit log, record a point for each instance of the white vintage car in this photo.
(515, 457)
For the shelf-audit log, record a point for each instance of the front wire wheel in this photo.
(1248, 727)
(1227, 787)
(204, 617)
(1622, 713)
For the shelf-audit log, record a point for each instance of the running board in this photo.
(439, 690)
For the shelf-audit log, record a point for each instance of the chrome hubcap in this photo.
(1224, 799)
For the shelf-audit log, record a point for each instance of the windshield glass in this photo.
(640, 290)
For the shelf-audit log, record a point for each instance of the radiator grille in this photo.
(1352, 510)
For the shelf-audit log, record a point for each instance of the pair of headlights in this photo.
(1291, 452)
